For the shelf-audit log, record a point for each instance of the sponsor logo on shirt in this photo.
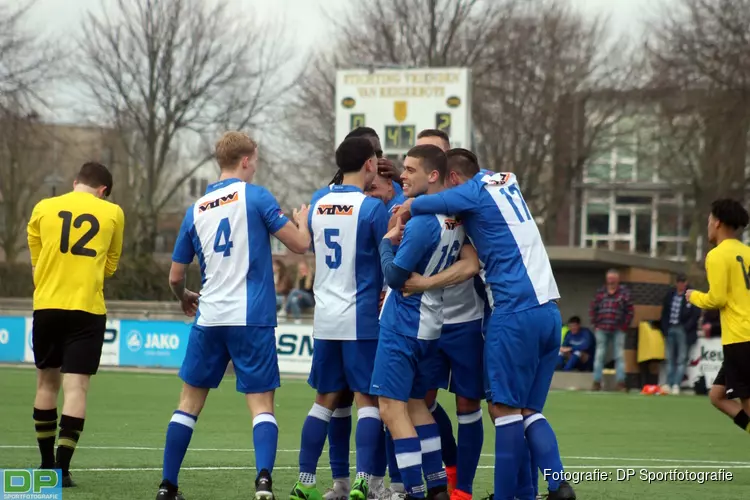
(335, 209)
(451, 224)
(218, 202)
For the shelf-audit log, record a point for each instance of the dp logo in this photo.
(31, 483)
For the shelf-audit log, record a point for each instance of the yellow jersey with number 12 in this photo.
(728, 271)
(75, 242)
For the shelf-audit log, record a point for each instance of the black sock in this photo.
(45, 422)
(742, 421)
(70, 431)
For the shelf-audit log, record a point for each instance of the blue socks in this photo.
(510, 448)
(544, 451)
(525, 488)
(314, 432)
(449, 449)
(179, 432)
(572, 362)
(409, 458)
(470, 440)
(368, 439)
(432, 460)
(393, 472)
(339, 435)
(265, 441)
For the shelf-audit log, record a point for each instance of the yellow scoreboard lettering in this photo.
(400, 137)
(443, 122)
(356, 120)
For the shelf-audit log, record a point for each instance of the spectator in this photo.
(611, 314)
(301, 297)
(282, 282)
(577, 350)
(679, 324)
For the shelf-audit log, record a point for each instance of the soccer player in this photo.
(410, 327)
(728, 272)
(228, 230)
(75, 241)
(458, 365)
(346, 228)
(383, 189)
(523, 331)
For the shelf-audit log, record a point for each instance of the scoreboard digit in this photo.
(356, 120)
(443, 122)
(400, 137)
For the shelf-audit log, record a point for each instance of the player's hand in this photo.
(299, 215)
(404, 211)
(387, 169)
(688, 294)
(415, 284)
(189, 303)
(382, 300)
(396, 233)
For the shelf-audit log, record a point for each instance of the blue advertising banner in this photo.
(12, 339)
(159, 344)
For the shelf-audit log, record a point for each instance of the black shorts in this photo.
(734, 373)
(69, 340)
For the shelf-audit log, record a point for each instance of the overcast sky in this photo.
(306, 25)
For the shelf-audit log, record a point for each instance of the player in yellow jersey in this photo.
(75, 242)
(728, 270)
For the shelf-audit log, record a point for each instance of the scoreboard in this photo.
(399, 103)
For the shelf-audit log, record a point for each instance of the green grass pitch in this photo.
(120, 452)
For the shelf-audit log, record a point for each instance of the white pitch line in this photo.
(487, 455)
(579, 467)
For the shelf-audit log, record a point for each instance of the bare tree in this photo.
(27, 61)
(170, 76)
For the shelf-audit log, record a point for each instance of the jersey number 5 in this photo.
(79, 247)
(222, 243)
(333, 262)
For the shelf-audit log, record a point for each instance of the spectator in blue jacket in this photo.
(578, 347)
(679, 325)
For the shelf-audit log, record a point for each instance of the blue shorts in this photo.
(458, 363)
(399, 367)
(338, 365)
(520, 356)
(252, 350)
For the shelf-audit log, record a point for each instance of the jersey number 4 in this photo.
(222, 243)
(332, 261)
(79, 247)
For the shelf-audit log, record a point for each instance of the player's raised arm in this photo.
(296, 235)
(464, 268)
(456, 201)
(115, 245)
(718, 284)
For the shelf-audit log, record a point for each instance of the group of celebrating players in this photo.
(443, 283)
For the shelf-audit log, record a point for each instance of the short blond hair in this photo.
(232, 147)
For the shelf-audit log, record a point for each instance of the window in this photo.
(598, 171)
(597, 219)
(623, 223)
(643, 233)
(624, 171)
(672, 222)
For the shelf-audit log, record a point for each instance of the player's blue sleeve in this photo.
(184, 251)
(566, 340)
(395, 277)
(268, 208)
(379, 218)
(457, 200)
(420, 237)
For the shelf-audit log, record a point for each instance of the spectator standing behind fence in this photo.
(576, 352)
(611, 313)
(679, 323)
(282, 283)
(301, 297)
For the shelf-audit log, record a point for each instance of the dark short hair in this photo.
(463, 161)
(432, 158)
(433, 132)
(574, 319)
(730, 213)
(353, 153)
(362, 132)
(95, 175)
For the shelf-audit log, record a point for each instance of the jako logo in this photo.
(291, 344)
(135, 341)
(335, 209)
(169, 341)
(452, 223)
(4, 336)
(224, 200)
